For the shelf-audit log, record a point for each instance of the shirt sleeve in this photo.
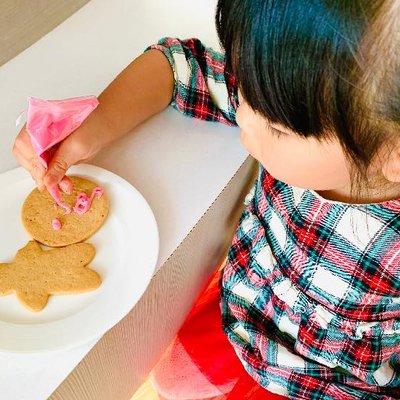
(203, 89)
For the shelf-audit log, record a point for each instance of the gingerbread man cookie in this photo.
(35, 274)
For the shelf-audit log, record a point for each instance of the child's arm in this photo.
(143, 89)
(188, 73)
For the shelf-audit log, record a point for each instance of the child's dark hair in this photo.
(322, 68)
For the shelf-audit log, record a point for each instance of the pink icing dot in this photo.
(56, 224)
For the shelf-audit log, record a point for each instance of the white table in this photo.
(180, 165)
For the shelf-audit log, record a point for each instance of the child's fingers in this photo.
(66, 185)
(33, 165)
(21, 159)
(56, 171)
(23, 145)
(63, 158)
(38, 173)
(26, 156)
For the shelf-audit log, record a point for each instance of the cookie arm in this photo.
(28, 252)
(79, 253)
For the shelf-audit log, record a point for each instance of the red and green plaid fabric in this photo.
(202, 88)
(310, 294)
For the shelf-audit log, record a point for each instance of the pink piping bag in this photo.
(49, 122)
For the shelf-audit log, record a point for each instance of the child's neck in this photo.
(366, 196)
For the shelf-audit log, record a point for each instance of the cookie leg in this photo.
(34, 300)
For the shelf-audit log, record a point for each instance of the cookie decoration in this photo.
(71, 218)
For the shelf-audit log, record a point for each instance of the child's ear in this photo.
(391, 165)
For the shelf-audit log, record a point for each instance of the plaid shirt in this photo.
(311, 290)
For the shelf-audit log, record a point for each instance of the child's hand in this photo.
(26, 156)
(80, 146)
(131, 98)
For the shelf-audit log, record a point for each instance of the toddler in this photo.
(310, 293)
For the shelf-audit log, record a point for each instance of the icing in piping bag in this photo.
(49, 122)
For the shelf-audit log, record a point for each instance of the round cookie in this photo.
(40, 209)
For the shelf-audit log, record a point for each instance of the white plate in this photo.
(126, 255)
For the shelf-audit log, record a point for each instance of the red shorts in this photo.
(201, 363)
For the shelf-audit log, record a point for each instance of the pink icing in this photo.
(56, 224)
(83, 201)
(55, 192)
